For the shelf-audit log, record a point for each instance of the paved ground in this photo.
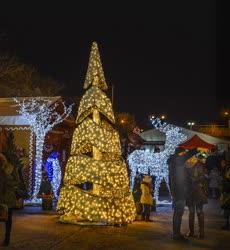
(34, 229)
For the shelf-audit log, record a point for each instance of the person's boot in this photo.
(6, 242)
(201, 225)
(191, 225)
(176, 228)
(147, 219)
(8, 225)
(143, 217)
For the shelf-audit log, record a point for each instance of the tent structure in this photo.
(153, 135)
(196, 142)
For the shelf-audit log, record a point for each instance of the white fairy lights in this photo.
(42, 117)
(156, 163)
(96, 159)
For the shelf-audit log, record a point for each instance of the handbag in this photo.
(3, 213)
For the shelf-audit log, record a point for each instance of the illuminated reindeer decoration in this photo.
(155, 164)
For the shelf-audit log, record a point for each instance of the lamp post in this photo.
(151, 117)
(112, 93)
(227, 116)
(191, 124)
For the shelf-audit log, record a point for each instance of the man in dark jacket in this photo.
(213, 160)
(137, 192)
(178, 185)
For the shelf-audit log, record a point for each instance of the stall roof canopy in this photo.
(196, 142)
(153, 135)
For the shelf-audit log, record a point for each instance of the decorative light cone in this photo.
(96, 185)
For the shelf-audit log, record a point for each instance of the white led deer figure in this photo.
(156, 163)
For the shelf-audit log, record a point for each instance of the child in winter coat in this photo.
(146, 197)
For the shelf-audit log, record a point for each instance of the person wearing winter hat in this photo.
(146, 197)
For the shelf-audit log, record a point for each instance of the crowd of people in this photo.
(192, 181)
(193, 178)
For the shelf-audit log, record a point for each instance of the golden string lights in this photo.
(96, 159)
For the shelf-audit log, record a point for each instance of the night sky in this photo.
(163, 58)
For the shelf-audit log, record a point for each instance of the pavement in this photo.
(37, 229)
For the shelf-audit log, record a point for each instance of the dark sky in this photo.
(161, 58)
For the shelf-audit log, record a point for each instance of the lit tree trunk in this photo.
(96, 153)
(38, 164)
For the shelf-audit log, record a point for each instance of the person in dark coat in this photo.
(177, 186)
(214, 183)
(137, 192)
(197, 194)
(8, 183)
(46, 193)
(225, 196)
(212, 161)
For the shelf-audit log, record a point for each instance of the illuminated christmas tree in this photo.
(96, 185)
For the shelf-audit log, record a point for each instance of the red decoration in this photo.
(196, 142)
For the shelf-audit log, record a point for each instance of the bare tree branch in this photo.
(19, 79)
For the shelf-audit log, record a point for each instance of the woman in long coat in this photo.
(137, 193)
(196, 194)
(8, 183)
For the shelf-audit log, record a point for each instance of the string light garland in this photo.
(42, 117)
(146, 160)
(96, 160)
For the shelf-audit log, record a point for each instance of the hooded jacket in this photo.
(146, 191)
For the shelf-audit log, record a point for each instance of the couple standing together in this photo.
(187, 186)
